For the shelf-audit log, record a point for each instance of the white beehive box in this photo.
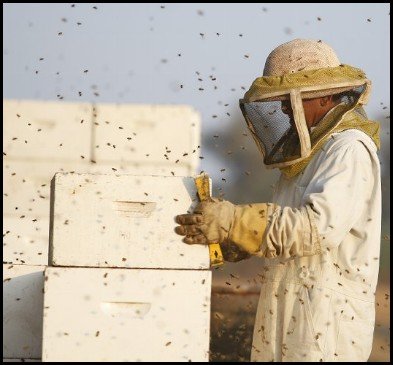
(122, 221)
(26, 204)
(44, 126)
(98, 315)
(22, 311)
(148, 134)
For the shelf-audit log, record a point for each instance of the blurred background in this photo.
(206, 56)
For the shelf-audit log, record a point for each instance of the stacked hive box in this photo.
(42, 138)
(126, 287)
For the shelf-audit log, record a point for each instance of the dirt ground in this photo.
(233, 315)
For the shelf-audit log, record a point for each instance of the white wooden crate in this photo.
(95, 314)
(26, 205)
(51, 124)
(153, 130)
(22, 311)
(122, 221)
(25, 241)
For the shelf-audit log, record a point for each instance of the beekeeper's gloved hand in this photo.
(217, 220)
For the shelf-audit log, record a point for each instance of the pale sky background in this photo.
(143, 53)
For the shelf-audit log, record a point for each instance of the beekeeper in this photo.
(319, 238)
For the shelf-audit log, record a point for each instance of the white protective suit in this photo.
(328, 313)
(319, 239)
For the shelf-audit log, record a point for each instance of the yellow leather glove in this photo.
(219, 221)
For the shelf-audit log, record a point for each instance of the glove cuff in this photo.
(249, 226)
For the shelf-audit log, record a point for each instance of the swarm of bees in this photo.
(204, 83)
